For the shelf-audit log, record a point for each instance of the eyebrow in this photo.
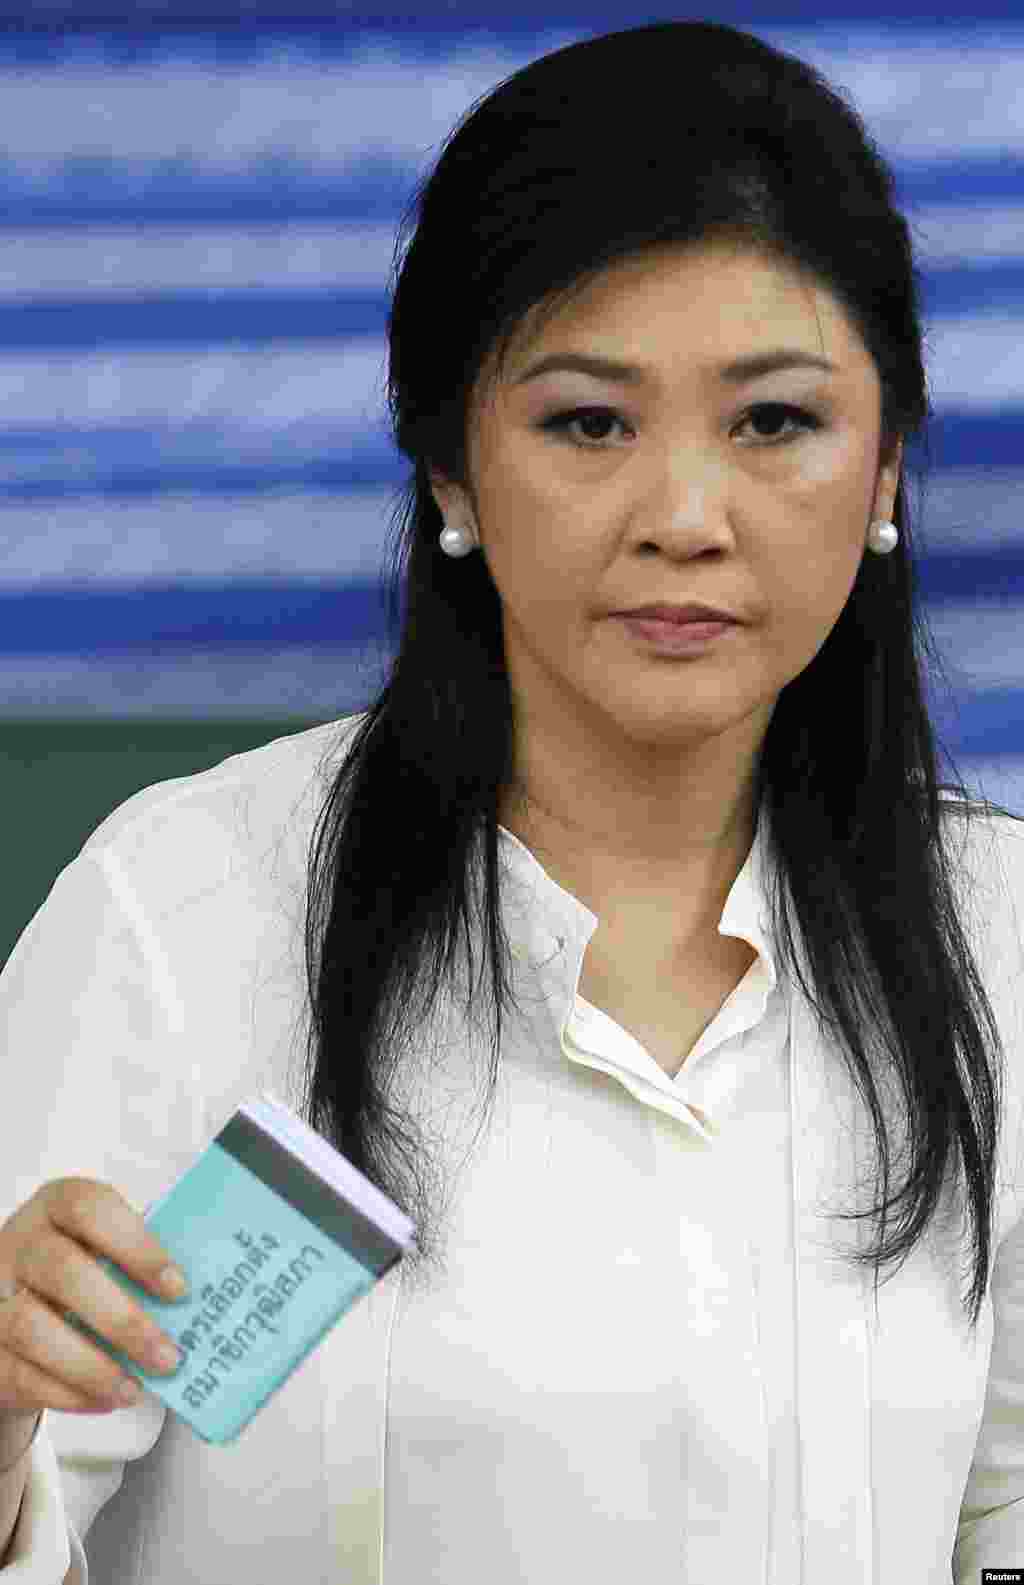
(631, 374)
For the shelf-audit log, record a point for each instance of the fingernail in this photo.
(173, 1282)
(164, 1356)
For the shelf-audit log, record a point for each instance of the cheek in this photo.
(538, 584)
(532, 570)
(547, 556)
(812, 581)
(806, 605)
(828, 464)
(826, 514)
(835, 481)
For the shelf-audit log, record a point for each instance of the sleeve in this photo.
(991, 1530)
(95, 1086)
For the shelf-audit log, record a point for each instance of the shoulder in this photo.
(985, 849)
(986, 852)
(181, 837)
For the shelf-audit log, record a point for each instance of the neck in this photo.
(621, 879)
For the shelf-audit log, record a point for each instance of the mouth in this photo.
(674, 638)
(678, 615)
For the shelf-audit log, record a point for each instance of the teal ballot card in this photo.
(278, 1235)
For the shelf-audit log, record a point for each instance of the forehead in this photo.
(703, 303)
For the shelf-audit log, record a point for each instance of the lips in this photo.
(679, 615)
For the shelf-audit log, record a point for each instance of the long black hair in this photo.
(537, 190)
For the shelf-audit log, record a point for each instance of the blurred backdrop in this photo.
(199, 212)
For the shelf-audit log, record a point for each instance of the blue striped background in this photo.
(196, 232)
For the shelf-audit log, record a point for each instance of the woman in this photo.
(627, 1341)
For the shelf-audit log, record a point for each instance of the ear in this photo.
(446, 495)
(888, 478)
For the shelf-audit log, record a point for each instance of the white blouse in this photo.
(641, 1357)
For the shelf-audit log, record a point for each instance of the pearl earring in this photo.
(882, 537)
(456, 541)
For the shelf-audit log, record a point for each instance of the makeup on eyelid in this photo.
(800, 421)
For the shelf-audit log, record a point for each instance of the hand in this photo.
(48, 1266)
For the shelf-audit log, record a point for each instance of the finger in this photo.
(67, 1278)
(38, 1371)
(97, 1215)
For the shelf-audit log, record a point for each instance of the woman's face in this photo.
(686, 486)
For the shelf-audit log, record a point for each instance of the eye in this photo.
(788, 412)
(559, 423)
